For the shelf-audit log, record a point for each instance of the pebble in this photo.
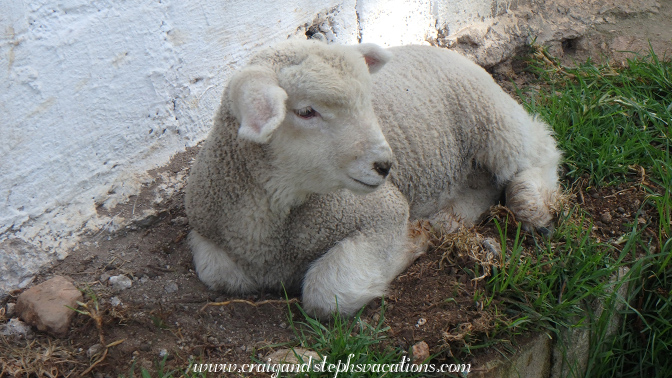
(145, 347)
(620, 209)
(170, 287)
(120, 282)
(180, 221)
(289, 356)
(605, 217)
(94, 350)
(15, 327)
(115, 301)
(10, 309)
(420, 352)
(198, 351)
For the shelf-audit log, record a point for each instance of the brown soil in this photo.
(163, 312)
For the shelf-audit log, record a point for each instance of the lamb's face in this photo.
(316, 115)
(330, 135)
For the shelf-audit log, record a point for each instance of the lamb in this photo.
(322, 155)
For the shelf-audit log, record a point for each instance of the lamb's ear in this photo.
(374, 55)
(258, 102)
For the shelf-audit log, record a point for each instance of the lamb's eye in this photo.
(306, 113)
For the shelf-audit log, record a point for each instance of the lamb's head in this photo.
(310, 103)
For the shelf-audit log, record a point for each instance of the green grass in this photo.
(348, 342)
(609, 122)
(606, 120)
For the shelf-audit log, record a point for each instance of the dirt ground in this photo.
(163, 312)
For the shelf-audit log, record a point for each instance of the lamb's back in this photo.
(437, 110)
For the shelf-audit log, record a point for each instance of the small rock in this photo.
(45, 306)
(283, 325)
(145, 347)
(104, 277)
(10, 310)
(180, 221)
(198, 351)
(605, 217)
(421, 322)
(120, 282)
(170, 287)
(289, 356)
(420, 352)
(620, 209)
(115, 301)
(15, 327)
(94, 350)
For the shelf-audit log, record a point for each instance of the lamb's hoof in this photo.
(419, 235)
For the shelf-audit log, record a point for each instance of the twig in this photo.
(254, 304)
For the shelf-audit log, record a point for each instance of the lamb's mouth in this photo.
(372, 187)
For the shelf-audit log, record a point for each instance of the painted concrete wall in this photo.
(93, 94)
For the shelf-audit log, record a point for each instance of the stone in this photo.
(180, 221)
(94, 350)
(15, 327)
(605, 217)
(532, 359)
(10, 309)
(170, 287)
(115, 302)
(45, 306)
(420, 352)
(289, 356)
(120, 282)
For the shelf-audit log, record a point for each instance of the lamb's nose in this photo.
(382, 167)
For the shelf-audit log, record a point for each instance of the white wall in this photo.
(93, 94)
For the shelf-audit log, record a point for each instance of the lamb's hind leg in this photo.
(215, 268)
(359, 269)
(530, 195)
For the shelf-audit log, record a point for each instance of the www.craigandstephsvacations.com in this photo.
(404, 366)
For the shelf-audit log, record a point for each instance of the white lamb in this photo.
(290, 188)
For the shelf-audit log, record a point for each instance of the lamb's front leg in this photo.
(531, 195)
(215, 268)
(359, 269)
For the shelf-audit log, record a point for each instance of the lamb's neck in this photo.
(271, 189)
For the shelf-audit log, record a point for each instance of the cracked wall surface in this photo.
(95, 94)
